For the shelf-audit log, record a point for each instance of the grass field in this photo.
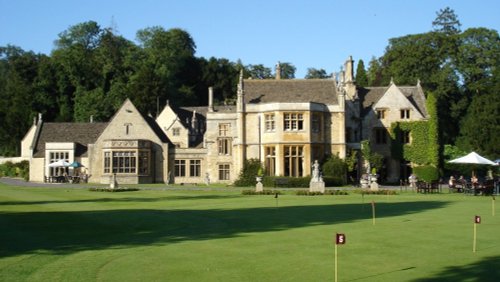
(68, 234)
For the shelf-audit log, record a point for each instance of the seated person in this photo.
(474, 180)
(451, 182)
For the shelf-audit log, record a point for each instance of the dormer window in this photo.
(381, 113)
(405, 113)
(176, 131)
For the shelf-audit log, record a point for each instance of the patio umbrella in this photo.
(76, 164)
(472, 158)
(59, 163)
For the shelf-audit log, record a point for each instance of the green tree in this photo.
(18, 70)
(446, 21)
(478, 57)
(222, 75)
(313, 73)
(259, 71)
(160, 74)
(247, 175)
(287, 70)
(336, 168)
(374, 74)
(480, 127)
(361, 76)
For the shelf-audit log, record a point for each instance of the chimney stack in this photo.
(210, 99)
(278, 71)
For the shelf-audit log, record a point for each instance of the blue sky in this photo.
(309, 33)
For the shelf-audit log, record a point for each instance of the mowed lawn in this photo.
(68, 234)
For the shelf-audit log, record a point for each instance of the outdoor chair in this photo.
(434, 186)
(422, 187)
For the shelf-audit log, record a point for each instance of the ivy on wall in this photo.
(424, 146)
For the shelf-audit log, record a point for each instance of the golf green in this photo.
(68, 234)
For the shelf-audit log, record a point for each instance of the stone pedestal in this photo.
(259, 187)
(317, 186)
(373, 183)
(112, 182)
(364, 183)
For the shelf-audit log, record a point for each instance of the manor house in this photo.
(285, 123)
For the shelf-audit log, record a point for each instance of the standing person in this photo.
(413, 180)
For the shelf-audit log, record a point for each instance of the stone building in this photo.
(286, 124)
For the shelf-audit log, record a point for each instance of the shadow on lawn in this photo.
(66, 232)
(117, 200)
(484, 270)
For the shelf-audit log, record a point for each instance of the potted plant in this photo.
(260, 174)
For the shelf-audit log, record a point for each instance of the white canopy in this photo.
(59, 163)
(472, 158)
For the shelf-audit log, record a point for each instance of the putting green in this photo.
(64, 234)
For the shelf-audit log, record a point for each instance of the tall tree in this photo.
(222, 75)
(259, 71)
(375, 73)
(316, 73)
(18, 71)
(361, 76)
(287, 70)
(167, 55)
(446, 21)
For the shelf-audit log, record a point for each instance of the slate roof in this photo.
(80, 133)
(185, 114)
(369, 96)
(156, 129)
(322, 91)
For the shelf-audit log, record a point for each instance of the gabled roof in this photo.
(185, 114)
(369, 96)
(80, 133)
(129, 108)
(322, 91)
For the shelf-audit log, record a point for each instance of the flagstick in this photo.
(335, 262)
(373, 212)
(493, 206)
(474, 242)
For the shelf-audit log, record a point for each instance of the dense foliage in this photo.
(11, 169)
(335, 169)
(251, 168)
(426, 173)
(92, 70)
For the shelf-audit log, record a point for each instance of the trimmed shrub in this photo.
(426, 173)
(378, 192)
(293, 182)
(317, 193)
(335, 169)
(247, 175)
(333, 181)
(107, 189)
(263, 192)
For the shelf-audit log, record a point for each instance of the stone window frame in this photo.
(293, 160)
(405, 113)
(270, 122)
(293, 121)
(224, 171)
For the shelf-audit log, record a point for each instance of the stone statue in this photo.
(315, 172)
(317, 184)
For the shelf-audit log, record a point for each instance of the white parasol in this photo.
(59, 163)
(472, 158)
